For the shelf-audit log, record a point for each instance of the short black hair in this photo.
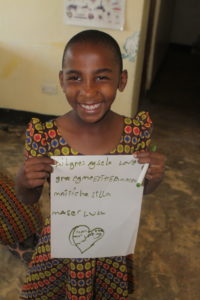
(96, 37)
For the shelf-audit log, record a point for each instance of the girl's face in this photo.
(90, 79)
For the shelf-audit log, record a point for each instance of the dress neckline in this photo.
(108, 153)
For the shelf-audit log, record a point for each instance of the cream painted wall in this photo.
(32, 39)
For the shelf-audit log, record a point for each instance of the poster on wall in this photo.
(95, 13)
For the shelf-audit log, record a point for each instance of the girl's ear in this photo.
(123, 80)
(61, 78)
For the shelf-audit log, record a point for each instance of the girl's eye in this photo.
(74, 78)
(102, 77)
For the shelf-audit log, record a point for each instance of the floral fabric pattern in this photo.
(80, 279)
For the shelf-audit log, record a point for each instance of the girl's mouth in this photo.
(90, 107)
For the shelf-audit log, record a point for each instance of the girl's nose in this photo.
(88, 89)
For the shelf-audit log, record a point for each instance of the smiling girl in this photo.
(92, 74)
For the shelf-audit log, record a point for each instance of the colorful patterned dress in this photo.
(79, 279)
(20, 224)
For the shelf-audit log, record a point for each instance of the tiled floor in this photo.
(167, 253)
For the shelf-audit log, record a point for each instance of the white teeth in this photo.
(90, 107)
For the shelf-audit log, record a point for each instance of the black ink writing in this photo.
(62, 179)
(93, 213)
(131, 162)
(70, 164)
(69, 213)
(95, 163)
(101, 194)
(83, 213)
(84, 238)
(102, 178)
(71, 193)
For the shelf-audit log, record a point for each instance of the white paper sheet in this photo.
(97, 13)
(95, 206)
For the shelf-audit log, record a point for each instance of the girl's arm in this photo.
(31, 178)
(155, 171)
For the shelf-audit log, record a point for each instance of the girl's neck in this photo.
(98, 127)
(91, 138)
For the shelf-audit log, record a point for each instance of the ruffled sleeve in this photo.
(36, 139)
(143, 130)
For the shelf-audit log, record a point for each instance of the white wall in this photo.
(32, 39)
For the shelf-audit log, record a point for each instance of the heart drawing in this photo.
(83, 238)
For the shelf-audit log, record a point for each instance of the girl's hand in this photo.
(35, 171)
(155, 171)
(156, 164)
